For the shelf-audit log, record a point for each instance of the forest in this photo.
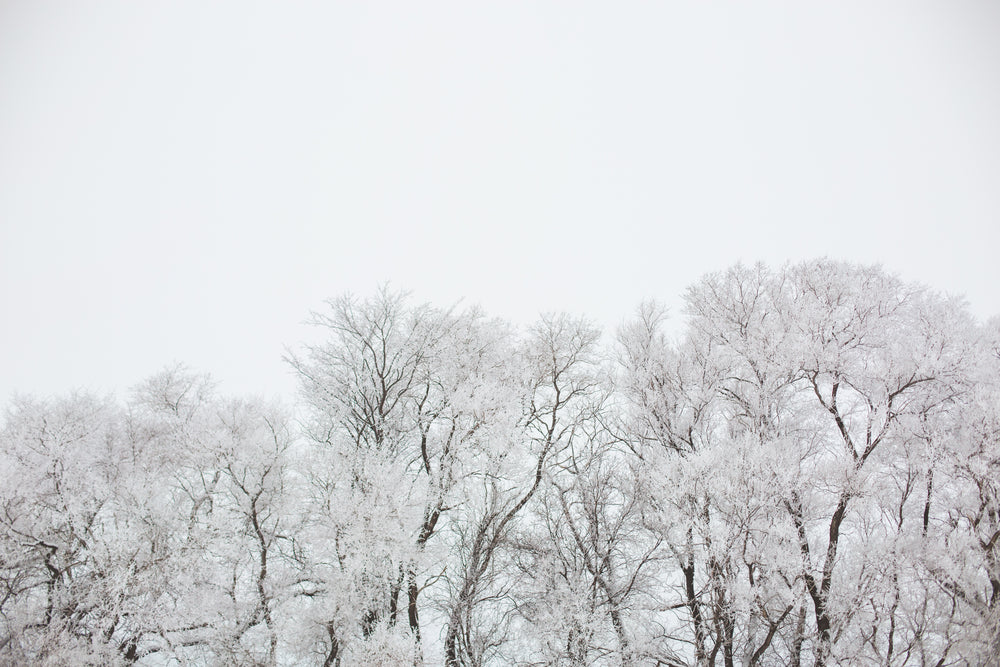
(806, 474)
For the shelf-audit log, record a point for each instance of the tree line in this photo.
(809, 474)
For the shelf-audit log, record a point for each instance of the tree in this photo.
(800, 390)
(67, 580)
(556, 377)
(406, 404)
(807, 475)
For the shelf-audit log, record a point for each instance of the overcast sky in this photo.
(186, 180)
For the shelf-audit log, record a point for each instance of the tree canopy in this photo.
(808, 475)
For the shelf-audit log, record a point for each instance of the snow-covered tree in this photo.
(807, 475)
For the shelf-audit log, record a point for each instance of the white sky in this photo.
(186, 180)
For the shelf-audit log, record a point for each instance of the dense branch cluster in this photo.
(809, 475)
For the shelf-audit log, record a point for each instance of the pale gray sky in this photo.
(186, 180)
